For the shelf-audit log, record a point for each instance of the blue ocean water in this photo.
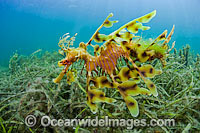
(27, 26)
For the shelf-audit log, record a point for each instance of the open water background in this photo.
(29, 25)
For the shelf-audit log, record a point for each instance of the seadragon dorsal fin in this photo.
(97, 37)
(134, 25)
(131, 27)
(163, 37)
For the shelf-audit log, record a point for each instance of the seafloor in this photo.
(26, 87)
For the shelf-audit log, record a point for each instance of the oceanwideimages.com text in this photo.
(46, 121)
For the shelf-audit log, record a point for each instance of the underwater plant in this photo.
(121, 43)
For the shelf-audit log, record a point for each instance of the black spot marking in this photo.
(131, 104)
(117, 77)
(136, 78)
(162, 36)
(111, 84)
(101, 95)
(126, 73)
(104, 81)
(133, 53)
(97, 37)
(148, 16)
(136, 29)
(91, 95)
(152, 58)
(144, 54)
(151, 85)
(128, 48)
(134, 86)
(106, 22)
(152, 44)
(138, 45)
(122, 88)
(92, 103)
(112, 40)
(151, 70)
(131, 24)
(128, 88)
(118, 35)
(87, 99)
(93, 81)
(97, 48)
(124, 42)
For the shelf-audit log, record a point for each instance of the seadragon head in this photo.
(71, 54)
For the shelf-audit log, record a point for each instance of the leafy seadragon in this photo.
(121, 43)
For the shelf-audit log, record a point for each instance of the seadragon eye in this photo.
(65, 62)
